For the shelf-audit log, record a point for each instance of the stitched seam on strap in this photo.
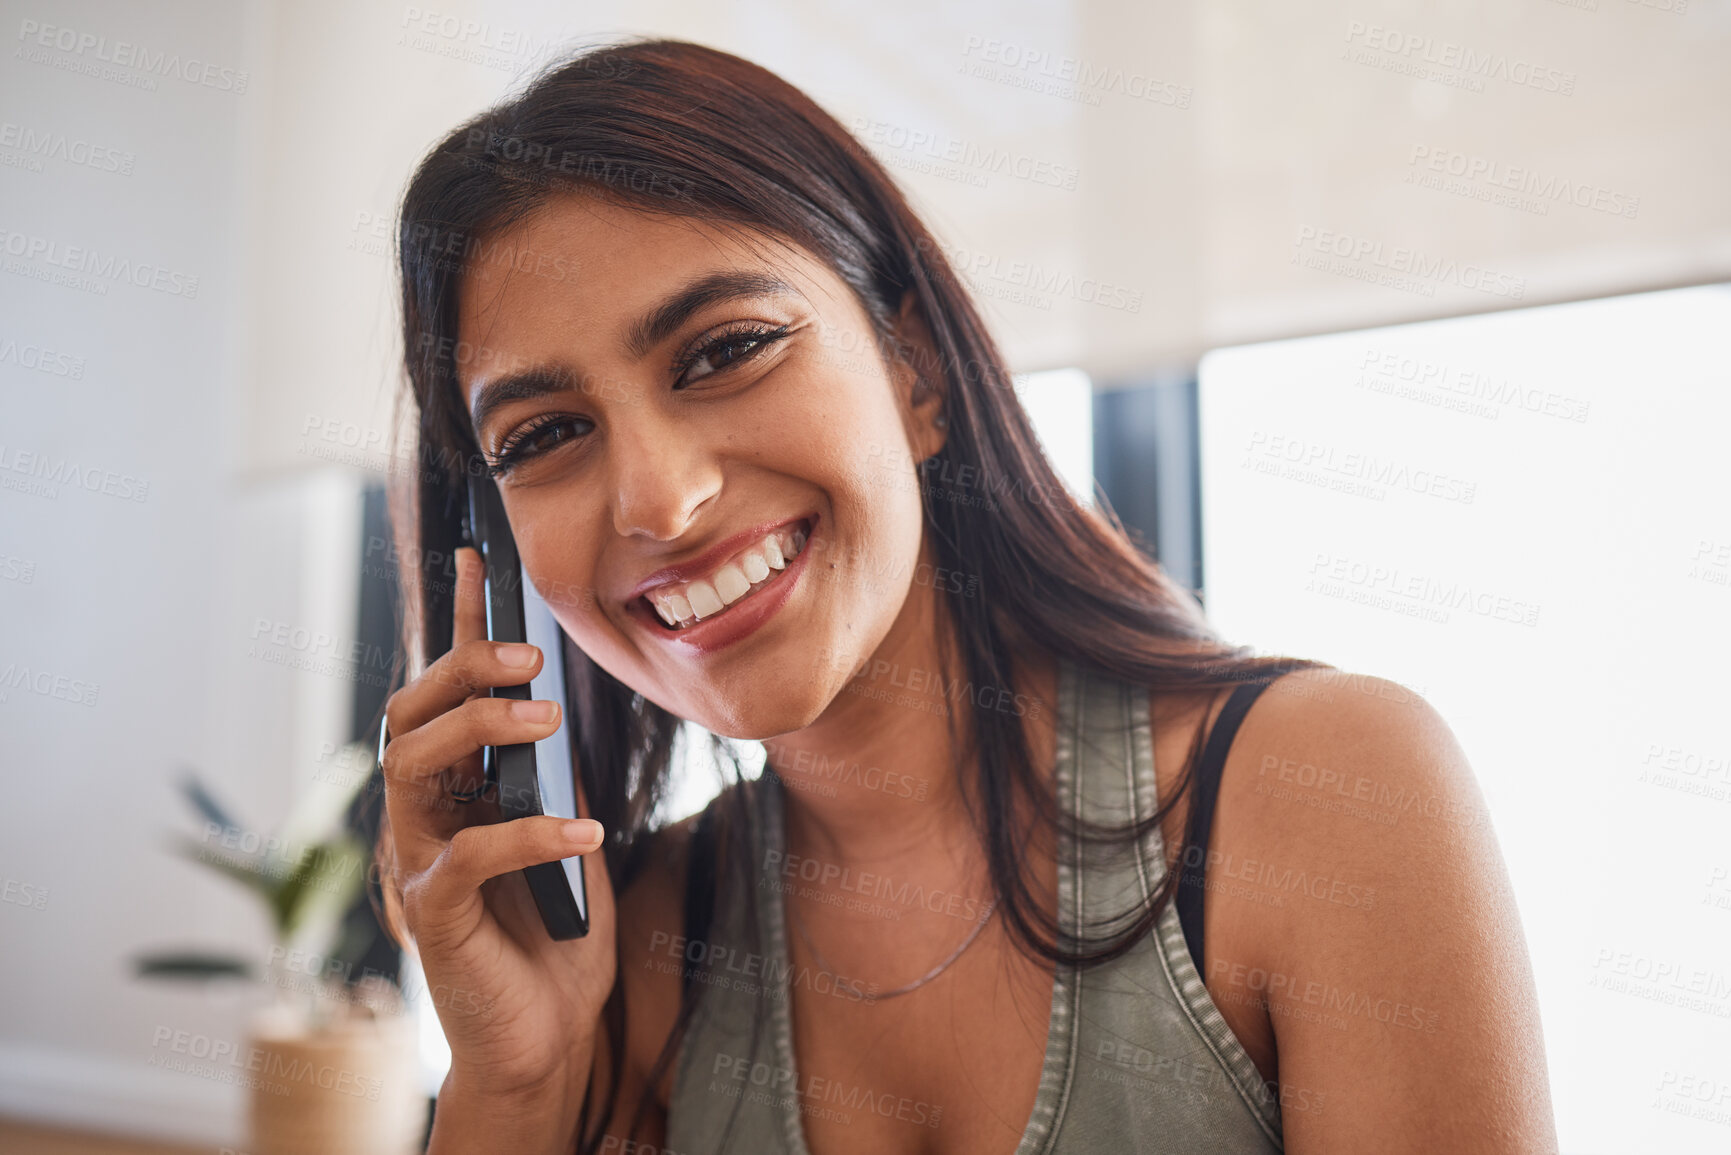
(1067, 989)
(1175, 958)
(781, 1013)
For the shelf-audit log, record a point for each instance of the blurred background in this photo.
(1399, 331)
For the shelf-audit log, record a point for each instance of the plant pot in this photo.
(351, 1087)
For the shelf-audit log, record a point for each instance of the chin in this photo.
(756, 720)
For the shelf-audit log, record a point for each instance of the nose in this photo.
(661, 473)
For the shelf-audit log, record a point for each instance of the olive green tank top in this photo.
(1138, 1058)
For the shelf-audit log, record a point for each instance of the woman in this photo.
(759, 450)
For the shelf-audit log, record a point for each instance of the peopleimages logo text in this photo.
(79, 259)
(125, 54)
(1458, 58)
(1414, 263)
(44, 145)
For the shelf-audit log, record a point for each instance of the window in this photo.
(1524, 517)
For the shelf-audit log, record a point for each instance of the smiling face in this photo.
(694, 429)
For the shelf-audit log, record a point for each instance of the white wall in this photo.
(152, 603)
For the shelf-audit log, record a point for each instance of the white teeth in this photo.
(704, 603)
(756, 569)
(673, 608)
(730, 584)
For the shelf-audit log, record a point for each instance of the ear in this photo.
(920, 383)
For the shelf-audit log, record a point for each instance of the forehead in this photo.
(571, 277)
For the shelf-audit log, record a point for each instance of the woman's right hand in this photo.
(520, 1010)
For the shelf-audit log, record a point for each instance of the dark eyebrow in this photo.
(665, 318)
(520, 386)
(641, 338)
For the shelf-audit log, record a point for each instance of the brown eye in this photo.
(727, 350)
(537, 438)
(547, 436)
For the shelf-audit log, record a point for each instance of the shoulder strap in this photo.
(699, 888)
(1193, 861)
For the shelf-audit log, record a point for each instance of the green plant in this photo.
(307, 874)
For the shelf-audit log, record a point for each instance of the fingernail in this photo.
(533, 711)
(516, 654)
(582, 832)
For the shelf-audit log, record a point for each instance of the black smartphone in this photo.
(533, 777)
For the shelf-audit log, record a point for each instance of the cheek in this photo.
(562, 569)
(837, 425)
(848, 441)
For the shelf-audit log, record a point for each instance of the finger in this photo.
(426, 752)
(466, 669)
(446, 891)
(423, 816)
(469, 617)
(422, 768)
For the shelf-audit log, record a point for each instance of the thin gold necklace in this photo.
(799, 925)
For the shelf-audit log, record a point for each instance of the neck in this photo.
(878, 777)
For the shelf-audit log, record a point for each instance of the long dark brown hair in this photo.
(671, 127)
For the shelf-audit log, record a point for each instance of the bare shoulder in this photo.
(1359, 747)
(1363, 778)
(1321, 744)
(1374, 924)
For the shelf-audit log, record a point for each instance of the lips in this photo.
(683, 604)
(725, 580)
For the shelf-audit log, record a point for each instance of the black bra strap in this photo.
(1193, 862)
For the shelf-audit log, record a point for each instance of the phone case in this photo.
(532, 777)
